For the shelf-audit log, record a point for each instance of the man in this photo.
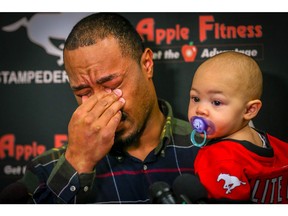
(121, 138)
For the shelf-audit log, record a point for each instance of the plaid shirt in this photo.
(117, 178)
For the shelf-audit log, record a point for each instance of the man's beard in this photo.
(121, 144)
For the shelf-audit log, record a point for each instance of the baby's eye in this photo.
(216, 103)
(195, 99)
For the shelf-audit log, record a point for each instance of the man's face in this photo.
(101, 66)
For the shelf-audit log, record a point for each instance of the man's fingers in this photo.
(108, 106)
(97, 103)
(88, 102)
(114, 122)
(112, 110)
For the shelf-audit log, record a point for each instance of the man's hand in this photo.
(91, 129)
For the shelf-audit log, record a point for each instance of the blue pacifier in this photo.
(200, 126)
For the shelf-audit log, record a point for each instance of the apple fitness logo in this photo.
(10, 149)
(169, 46)
(146, 28)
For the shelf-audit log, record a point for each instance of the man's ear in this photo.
(147, 62)
(252, 109)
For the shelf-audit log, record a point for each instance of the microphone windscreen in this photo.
(160, 193)
(189, 185)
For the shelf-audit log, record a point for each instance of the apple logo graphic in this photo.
(189, 52)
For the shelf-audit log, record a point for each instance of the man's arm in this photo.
(50, 178)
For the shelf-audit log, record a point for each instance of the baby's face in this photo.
(216, 95)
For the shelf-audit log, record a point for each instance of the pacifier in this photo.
(200, 126)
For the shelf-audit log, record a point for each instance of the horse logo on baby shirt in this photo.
(230, 182)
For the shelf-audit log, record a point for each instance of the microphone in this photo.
(160, 193)
(15, 193)
(189, 190)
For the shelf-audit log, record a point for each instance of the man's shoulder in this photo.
(181, 130)
(51, 155)
(181, 127)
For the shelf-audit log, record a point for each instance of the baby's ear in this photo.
(252, 109)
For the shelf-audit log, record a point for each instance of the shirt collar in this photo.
(166, 134)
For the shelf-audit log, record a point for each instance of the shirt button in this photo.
(145, 167)
(120, 159)
(72, 188)
(86, 188)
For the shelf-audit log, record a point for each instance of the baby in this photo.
(237, 162)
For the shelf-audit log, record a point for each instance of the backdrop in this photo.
(36, 101)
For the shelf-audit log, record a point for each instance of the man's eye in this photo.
(216, 103)
(88, 94)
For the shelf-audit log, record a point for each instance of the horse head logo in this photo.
(230, 182)
(42, 27)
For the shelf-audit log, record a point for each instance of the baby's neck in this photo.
(249, 134)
